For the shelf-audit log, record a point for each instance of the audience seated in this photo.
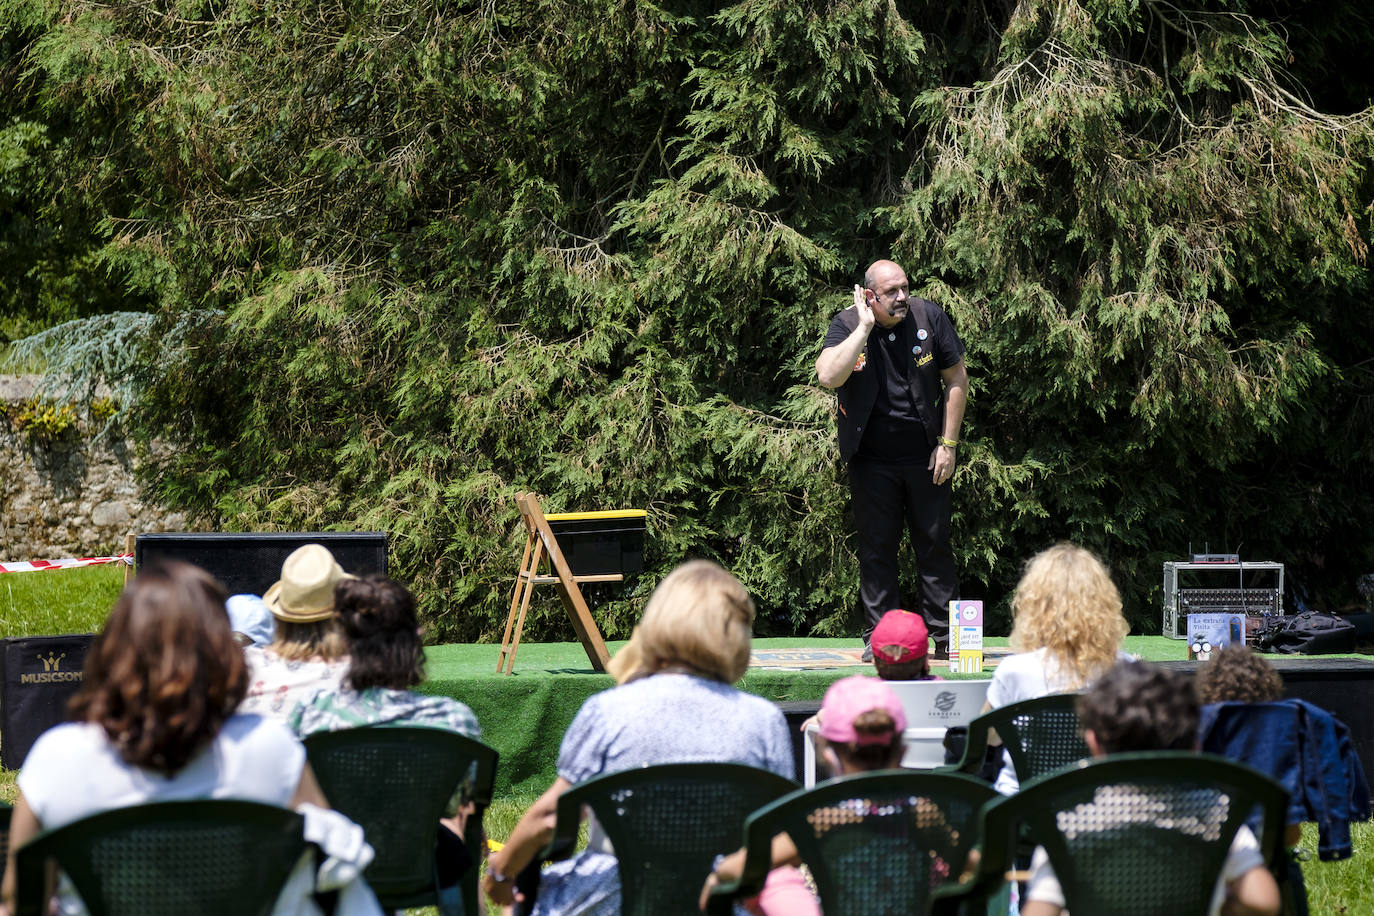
(1138, 707)
(901, 652)
(1067, 631)
(156, 720)
(1300, 745)
(308, 651)
(674, 704)
(386, 659)
(861, 730)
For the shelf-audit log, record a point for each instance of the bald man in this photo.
(899, 369)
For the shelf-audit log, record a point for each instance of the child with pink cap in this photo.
(861, 730)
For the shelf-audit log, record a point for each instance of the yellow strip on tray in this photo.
(587, 516)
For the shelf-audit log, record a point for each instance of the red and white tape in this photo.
(33, 565)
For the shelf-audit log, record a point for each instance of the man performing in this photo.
(899, 368)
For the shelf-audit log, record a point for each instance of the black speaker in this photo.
(250, 563)
(1344, 688)
(38, 675)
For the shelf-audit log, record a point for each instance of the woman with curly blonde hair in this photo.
(1067, 631)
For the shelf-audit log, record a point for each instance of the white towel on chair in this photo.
(346, 853)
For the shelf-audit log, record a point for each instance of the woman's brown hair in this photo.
(378, 617)
(165, 673)
(1235, 674)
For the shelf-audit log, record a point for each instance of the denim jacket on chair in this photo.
(1306, 749)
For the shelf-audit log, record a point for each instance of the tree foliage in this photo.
(51, 270)
(409, 258)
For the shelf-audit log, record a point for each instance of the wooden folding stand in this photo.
(540, 542)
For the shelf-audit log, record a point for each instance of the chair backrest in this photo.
(210, 857)
(1140, 833)
(933, 707)
(1041, 734)
(395, 781)
(877, 844)
(939, 704)
(667, 824)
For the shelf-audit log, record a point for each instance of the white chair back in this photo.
(931, 707)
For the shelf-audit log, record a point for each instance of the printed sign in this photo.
(965, 636)
(1207, 633)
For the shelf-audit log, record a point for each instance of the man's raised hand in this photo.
(865, 310)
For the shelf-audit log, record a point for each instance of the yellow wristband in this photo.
(948, 443)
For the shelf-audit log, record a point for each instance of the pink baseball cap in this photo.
(851, 697)
(900, 636)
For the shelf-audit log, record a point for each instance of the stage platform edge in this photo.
(525, 715)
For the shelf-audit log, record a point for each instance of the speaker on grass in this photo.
(38, 675)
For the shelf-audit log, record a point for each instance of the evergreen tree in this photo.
(51, 270)
(409, 258)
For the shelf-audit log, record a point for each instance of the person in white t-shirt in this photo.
(309, 651)
(1067, 631)
(155, 720)
(1137, 706)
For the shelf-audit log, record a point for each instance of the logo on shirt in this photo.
(921, 361)
(861, 361)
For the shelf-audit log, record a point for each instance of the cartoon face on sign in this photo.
(970, 613)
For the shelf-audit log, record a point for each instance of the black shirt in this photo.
(894, 432)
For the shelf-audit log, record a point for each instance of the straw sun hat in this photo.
(305, 592)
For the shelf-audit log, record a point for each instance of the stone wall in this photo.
(73, 496)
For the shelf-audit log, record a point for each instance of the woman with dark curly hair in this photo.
(155, 719)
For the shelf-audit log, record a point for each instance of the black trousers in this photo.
(886, 497)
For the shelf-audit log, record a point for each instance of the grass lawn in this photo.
(58, 601)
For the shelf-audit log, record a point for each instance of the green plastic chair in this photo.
(395, 781)
(667, 824)
(1041, 735)
(876, 844)
(1100, 824)
(208, 857)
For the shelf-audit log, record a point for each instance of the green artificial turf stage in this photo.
(525, 714)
